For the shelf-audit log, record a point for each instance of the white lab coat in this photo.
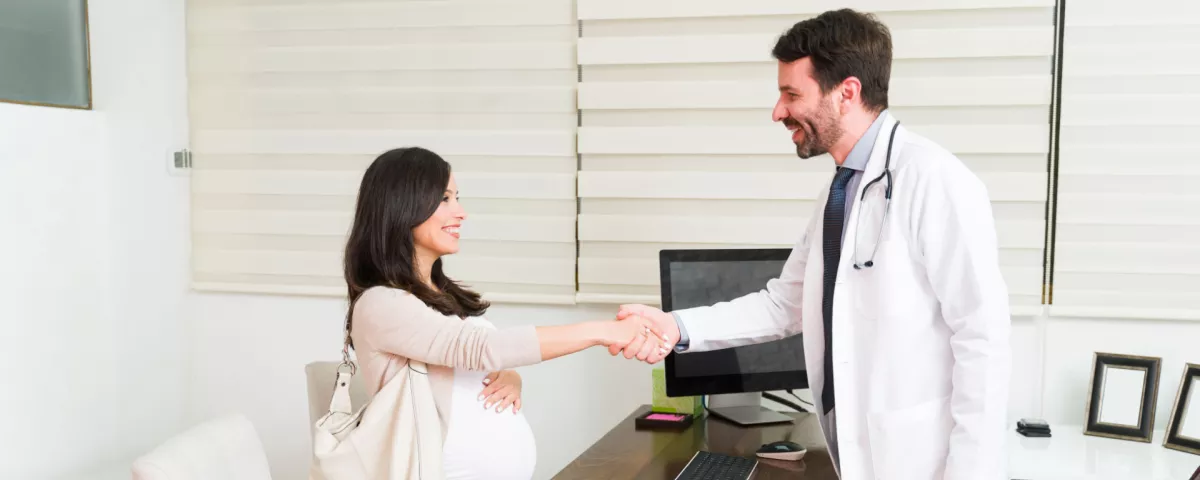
(921, 340)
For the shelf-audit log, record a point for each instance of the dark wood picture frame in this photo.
(1174, 439)
(1143, 430)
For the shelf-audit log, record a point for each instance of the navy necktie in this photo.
(835, 216)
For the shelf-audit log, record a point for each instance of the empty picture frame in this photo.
(1122, 396)
(1183, 429)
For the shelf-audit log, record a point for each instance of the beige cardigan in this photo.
(391, 325)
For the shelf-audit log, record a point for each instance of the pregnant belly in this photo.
(483, 444)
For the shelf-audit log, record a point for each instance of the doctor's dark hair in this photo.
(843, 44)
(399, 191)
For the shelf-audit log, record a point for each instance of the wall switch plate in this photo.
(179, 163)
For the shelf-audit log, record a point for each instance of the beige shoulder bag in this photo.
(396, 436)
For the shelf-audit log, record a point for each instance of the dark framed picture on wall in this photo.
(1183, 428)
(45, 57)
(1121, 396)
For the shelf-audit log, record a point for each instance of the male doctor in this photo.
(894, 284)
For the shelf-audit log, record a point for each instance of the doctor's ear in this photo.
(851, 92)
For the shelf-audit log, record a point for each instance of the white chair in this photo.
(225, 448)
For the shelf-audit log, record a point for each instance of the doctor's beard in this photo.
(821, 130)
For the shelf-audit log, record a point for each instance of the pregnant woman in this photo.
(403, 306)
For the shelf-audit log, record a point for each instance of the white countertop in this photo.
(1070, 455)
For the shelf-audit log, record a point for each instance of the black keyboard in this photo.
(715, 466)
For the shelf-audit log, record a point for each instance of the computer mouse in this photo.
(782, 450)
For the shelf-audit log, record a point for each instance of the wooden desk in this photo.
(627, 453)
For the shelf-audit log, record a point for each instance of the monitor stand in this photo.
(744, 409)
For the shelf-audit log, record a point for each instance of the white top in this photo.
(483, 444)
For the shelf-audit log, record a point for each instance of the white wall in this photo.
(93, 257)
(1073, 341)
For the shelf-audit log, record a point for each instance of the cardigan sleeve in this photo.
(396, 322)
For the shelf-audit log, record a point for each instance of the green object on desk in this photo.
(663, 403)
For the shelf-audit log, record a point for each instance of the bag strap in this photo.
(346, 352)
(340, 402)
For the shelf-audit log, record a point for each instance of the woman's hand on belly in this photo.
(501, 390)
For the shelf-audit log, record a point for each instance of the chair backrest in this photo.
(226, 447)
(321, 376)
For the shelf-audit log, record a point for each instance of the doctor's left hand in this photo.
(501, 390)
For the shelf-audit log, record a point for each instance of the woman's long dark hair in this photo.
(399, 191)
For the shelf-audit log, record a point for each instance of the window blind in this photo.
(290, 100)
(678, 149)
(1128, 233)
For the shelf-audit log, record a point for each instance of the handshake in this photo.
(647, 333)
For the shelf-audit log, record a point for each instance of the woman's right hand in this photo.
(634, 331)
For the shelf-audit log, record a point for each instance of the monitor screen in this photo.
(695, 278)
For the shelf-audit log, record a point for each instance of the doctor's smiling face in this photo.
(813, 116)
(834, 71)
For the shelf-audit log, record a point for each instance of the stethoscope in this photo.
(886, 176)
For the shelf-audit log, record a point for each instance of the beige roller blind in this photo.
(678, 149)
(291, 100)
(1128, 236)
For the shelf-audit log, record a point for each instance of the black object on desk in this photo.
(735, 378)
(1032, 427)
(715, 466)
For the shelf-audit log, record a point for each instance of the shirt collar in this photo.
(861, 153)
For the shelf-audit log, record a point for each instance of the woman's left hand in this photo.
(501, 390)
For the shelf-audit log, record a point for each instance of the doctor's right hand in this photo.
(633, 334)
(665, 323)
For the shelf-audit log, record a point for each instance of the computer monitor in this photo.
(734, 377)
